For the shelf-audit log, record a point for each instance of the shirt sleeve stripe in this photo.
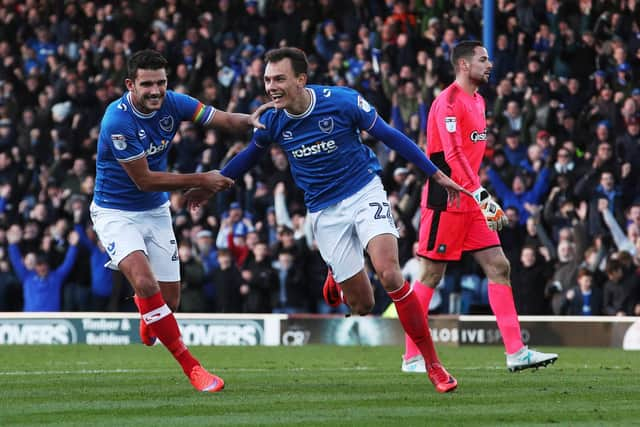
(375, 119)
(132, 158)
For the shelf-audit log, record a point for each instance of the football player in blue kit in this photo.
(319, 129)
(130, 208)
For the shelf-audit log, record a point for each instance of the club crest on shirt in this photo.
(142, 134)
(450, 124)
(119, 141)
(166, 123)
(326, 125)
(363, 104)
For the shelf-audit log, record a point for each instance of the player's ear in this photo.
(302, 79)
(129, 84)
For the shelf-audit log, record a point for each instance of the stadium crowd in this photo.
(563, 144)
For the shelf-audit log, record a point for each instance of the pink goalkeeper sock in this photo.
(501, 301)
(424, 294)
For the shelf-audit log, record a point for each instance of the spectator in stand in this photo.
(518, 196)
(620, 291)
(228, 283)
(528, 280)
(262, 279)
(41, 286)
(192, 274)
(584, 299)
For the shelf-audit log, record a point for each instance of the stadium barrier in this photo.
(278, 329)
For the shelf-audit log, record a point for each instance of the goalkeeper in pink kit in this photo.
(456, 139)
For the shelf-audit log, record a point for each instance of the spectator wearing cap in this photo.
(623, 81)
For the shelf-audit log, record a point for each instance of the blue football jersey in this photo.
(327, 158)
(127, 134)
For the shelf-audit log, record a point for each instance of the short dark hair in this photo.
(465, 50)
(298, 58)
(145, 60)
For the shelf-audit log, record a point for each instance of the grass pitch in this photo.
(311, 386)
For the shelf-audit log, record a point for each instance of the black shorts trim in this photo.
(433, 230)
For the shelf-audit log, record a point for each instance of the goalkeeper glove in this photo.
(493, 213)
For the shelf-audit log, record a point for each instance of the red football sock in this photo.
(501, 301)
(414, 321)
(157, 315)
(424, 294)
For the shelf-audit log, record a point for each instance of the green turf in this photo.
(311, 386)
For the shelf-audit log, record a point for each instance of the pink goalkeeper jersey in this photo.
(456, 139)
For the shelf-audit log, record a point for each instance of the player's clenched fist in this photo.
(493, 213)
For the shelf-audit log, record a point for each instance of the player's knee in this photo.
(145, 286)
(500, 271)
(391, 278)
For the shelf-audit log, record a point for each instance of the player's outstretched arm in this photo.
(238, 122)
(236, 168)
(398, 141)
(148, 180)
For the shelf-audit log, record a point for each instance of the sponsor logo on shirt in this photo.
(119, 141)
(315, 148)
(478, 136)
(363, 104)
(450, 124)
(326, 125)
(155, 149)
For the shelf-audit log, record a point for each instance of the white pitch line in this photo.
(148, 371)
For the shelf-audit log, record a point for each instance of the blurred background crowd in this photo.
(563, 144)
